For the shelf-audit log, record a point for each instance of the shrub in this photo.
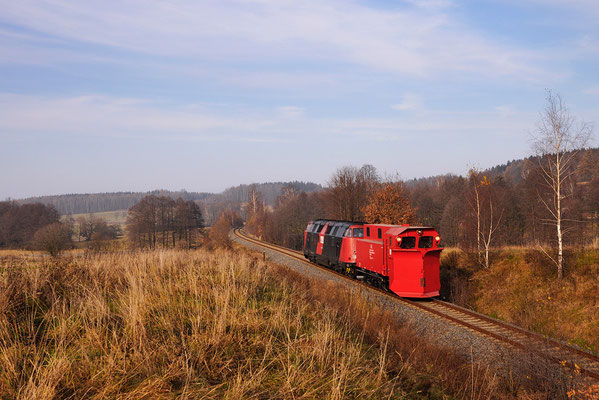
(52, 238)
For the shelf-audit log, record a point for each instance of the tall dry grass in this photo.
(208, 324)
(174, 324)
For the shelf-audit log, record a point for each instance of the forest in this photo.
(502, 206)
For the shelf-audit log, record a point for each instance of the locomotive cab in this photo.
(347, 253)
(412, 258)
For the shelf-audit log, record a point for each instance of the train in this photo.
(402, 259)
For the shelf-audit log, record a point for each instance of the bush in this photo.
(52, 238)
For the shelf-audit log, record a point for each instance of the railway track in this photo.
(579, 361)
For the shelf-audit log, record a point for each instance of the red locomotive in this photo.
(401, 258)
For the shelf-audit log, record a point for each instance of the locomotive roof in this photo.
(398, 229)
(336, 220)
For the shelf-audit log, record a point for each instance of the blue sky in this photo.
(136, 95)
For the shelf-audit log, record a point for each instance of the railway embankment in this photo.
(521, 287)
(524, 368)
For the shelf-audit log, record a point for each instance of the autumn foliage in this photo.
(389, 205)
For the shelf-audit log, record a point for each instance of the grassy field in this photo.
(210, 324)
(118, 217)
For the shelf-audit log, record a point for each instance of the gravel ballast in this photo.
(473, 346)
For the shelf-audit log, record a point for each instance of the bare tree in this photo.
(557, 140)
(488, 211)
(491, 216)
(475, 205)
(349, 190)
(52, 238)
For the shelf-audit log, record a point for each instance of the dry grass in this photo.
(118, 217)
(521, 288)
(24, 254)
(203, 324)
(167, 324)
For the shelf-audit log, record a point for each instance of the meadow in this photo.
(210, 324)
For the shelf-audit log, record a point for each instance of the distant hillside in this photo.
(514, 170)
(269, 190)
(102, 202)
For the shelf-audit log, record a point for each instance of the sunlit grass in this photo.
(175, 323)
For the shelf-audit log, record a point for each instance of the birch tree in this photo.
(557, 140)
(488, 214)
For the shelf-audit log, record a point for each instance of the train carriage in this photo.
(401, 258)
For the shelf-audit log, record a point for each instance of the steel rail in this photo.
(498, 326)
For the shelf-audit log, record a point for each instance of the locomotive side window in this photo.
(408, 242)
(380, 234)
(328, 229)
(425, 242)
(358, 232)
(368, 231)
(347, 232)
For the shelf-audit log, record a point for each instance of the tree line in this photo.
(475, 212)
(160, 221)
(101, 202)
(18, 223)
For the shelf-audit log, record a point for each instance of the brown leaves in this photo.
(389, 205)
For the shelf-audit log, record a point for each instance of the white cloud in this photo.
(129, 117)
(290, 111)
(505, 110)
(418, 41)
(109, 116)
(410, 102)
(592, 90)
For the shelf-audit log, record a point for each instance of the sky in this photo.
(136, 95)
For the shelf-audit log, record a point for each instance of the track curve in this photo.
(554, 351)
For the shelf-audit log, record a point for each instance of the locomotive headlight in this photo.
(398, 240)
(419, 231)
(438, 238)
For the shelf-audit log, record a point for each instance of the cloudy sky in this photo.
(102, 95)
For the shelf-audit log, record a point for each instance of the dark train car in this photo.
(403, 259)
(323, 240)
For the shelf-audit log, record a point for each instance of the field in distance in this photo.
(118, 217)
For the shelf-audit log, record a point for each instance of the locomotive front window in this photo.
(408, 242)
(347, 233)
(425, 242)
(328, 229)
(358, 232)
